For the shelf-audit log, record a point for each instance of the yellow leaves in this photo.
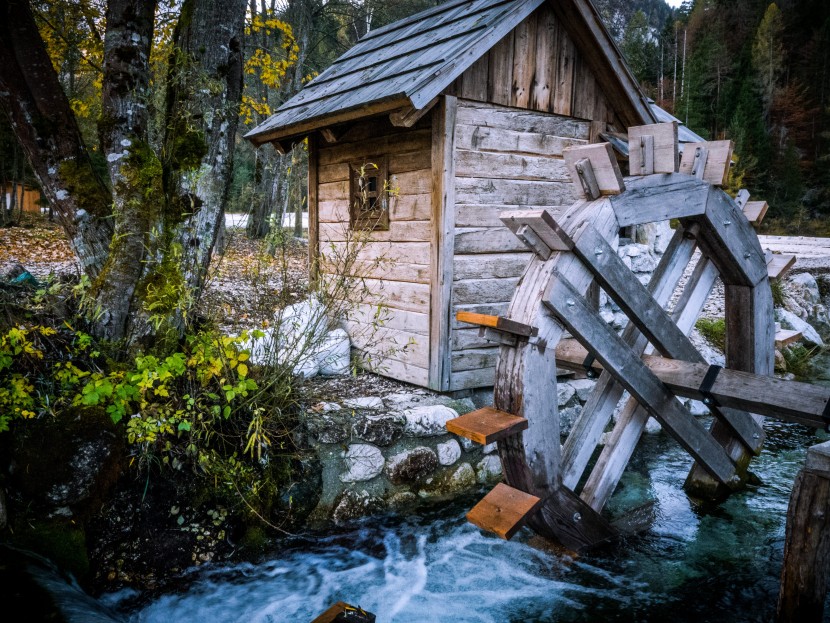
(251, 107)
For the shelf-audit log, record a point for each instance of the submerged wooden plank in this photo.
(504, 511)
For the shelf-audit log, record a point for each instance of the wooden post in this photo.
(443, 224)
(804, 574)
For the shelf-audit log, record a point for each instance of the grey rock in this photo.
(790, 321)
(428, 421)
(490, 448)
(567, 418)
(564, 393)
(402, 499)
(381, 430)
(467, 444)
(653, 426)
(489, 469)
(696, 407)
(363, 462)
(463, 477)
(402, 401)
(449, 452)
(327, 428)
(367, 402)
(353, 505)
(412, 466)
(583, 388)
(806, 286)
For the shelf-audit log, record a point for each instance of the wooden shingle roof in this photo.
(410, 62)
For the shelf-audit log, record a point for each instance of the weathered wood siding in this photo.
(539, 67)
(394, 265)
(505, 158)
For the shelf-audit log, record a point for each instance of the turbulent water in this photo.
(720, 565)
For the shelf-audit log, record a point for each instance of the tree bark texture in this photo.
(41, 117)
(208, 40)
(134, 170)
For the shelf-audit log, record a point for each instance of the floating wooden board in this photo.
(504, 510)
(604, 165)
(785, 337)
(717, 162)
(663, 146)
(496, 322)
(780, 265)
(337, 609)
(486, 425)
(754, 211)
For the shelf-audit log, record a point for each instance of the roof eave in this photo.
(295, 132)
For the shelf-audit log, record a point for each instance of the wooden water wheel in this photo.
(553, 321)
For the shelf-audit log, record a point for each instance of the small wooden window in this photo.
(369, 193)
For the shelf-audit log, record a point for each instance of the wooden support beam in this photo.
(524, 382)
(790, 401)
(718, 159)
(498, 337)
(409, 116)
(533, 242)
(730, 241)
(604, 166)
(543, 225)
(806, 568)
(595, 415)
(629, 370)
(504, 510)
(585, 173)
(785, 337)
(742, 198)
(755, 211)
(632, 296)
(497, 322)
(486, 425)
(662, 197)
(653, 149)
(329, 135)
(779, 265)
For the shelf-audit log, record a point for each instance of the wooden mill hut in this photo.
(465, 109)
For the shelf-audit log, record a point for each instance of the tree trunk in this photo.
(209, 35)
(134, 169)
(39, 112)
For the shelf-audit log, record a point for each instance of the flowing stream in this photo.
(690, 565)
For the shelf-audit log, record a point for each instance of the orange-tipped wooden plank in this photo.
(780, 265)
(486, 425)
(785, 337)
(499, 323)
(504, 510)
(341, 607)
(754, 211)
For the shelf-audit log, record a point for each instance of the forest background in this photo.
(749, 70)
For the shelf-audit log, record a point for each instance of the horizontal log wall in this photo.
(505, 158)
(393, 265)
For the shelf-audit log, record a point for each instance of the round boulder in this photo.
(412, 466)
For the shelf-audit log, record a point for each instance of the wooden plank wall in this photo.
(538, 67)
(394, 265)
(505, 159)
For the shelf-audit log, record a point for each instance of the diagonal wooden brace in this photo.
(630, 371)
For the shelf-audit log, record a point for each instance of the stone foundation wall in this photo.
(388, 453)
